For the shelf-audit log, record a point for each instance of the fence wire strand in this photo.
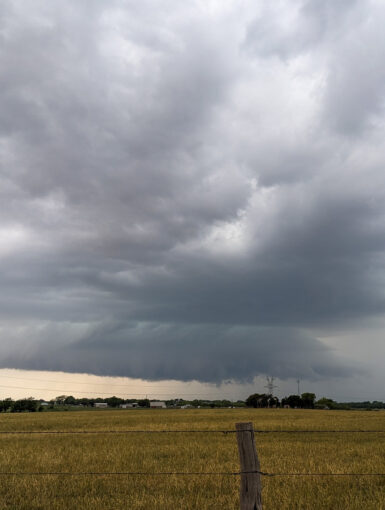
(262, 473)
(291, 431)
(124, 473)
(209, 431)
(130, 431)
(175, 473)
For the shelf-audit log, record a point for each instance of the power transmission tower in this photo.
(270, 385)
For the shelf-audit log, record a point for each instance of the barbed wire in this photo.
(262, 473)
(187, 431)
(129, 431)
(175, 473)
(124, 473)
(305, 431)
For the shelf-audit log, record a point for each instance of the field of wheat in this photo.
(188, 452)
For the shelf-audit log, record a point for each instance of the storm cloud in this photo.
(190, 192)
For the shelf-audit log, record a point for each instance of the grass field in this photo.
(327, 453)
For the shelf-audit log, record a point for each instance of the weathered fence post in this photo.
(251, 486)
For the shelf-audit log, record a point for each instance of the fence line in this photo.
(336, 431)
(11, 432)
(126, 473)
(209, 431)
(250, 473)
(262, 473)
(175, 473)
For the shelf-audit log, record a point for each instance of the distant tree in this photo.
(254, 400)
(84, 402)
(144, 402)
(326, 402)
(71, 401)
(308, 400)
(174, 402)
(293, 401)
(7, 404)
(60, 400)
(261, 400)
(24, 405)
(114, 401)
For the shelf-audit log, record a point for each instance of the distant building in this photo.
(101, 405)
(158, 405)
(129, 406)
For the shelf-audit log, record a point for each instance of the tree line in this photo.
(20, 406)
(304, 401)
(256, 400)
(308, 401)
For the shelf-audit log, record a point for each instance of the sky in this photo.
(192, 197)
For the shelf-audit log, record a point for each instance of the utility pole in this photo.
(298, 381)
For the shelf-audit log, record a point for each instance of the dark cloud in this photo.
(178, 202)
(163, 351)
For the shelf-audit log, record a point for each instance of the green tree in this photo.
(60, 400)
(7, 404)
(293, 401)
(24, 405)
(308, 400)
(114, 401)
(326, 402)
(261, 400)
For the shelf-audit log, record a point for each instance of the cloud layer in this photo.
(192, 192)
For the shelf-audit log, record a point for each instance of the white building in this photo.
(158, 405)
(129, 406)
(101, 405)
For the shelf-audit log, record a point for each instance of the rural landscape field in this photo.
(168, 452)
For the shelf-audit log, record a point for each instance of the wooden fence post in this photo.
(251, 486)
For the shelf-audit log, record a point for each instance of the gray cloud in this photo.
(345, 37)
(163, 351)
(178, 202)
(306, 25)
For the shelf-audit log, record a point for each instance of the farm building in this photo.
(158, 405)
(101, 405)
(129, 406)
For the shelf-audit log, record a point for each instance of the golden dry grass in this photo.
(327, 453)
